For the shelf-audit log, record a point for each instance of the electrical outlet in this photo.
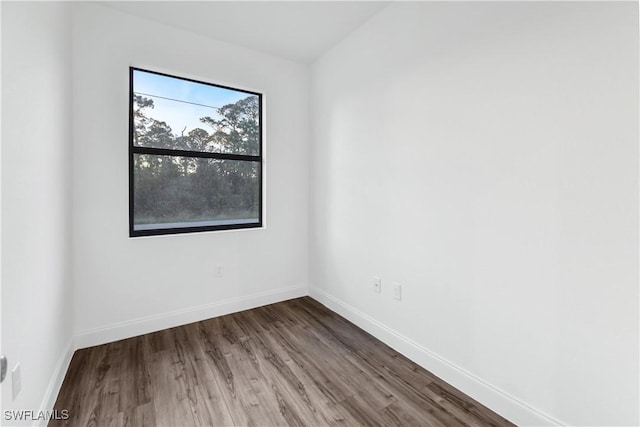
(397, 291)
(16, 382)
(219, 271)
(377, 285)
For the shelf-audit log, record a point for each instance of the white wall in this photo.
(36, 207)
(125, 286)
(485, 155)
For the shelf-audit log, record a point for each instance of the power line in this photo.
(177, 100)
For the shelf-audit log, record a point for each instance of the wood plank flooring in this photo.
(294, 363)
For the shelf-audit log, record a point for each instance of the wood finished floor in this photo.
(293, 363)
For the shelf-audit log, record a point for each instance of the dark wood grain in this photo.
(294, 363)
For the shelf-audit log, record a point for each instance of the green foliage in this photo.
(184, 189)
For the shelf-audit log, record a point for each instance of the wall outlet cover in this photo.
(377, 285)
(397, 291)
(16, 382)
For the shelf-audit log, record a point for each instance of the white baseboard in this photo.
(497, 400)
(158, 322)
(51, 394)
(145, 325)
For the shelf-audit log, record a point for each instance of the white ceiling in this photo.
(297, 30)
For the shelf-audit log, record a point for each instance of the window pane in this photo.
(175, 192)
(170, 112)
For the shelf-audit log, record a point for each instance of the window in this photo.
(195, 156)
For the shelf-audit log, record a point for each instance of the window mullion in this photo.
(198, 154)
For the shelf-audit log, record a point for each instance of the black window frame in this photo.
(196, 154)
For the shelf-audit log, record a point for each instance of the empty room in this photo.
(320, 213)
